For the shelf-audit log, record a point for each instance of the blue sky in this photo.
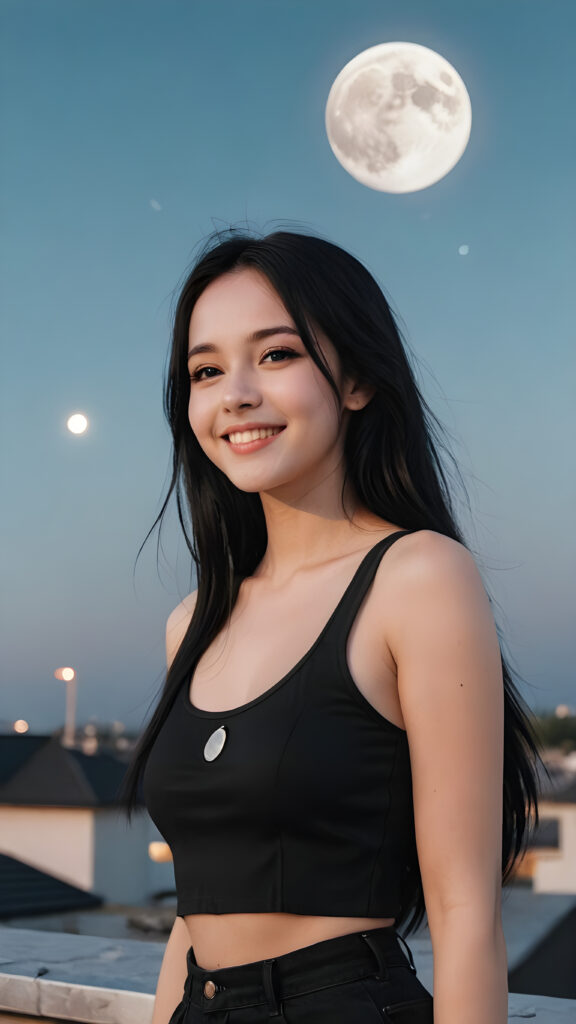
(131, 129)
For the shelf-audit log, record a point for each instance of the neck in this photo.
(311, 530)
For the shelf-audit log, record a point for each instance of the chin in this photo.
(255, 488)
(256, 485)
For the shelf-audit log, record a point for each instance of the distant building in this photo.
(59, 813)
(550, 860)
(555, 868)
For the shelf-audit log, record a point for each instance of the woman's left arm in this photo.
(444, 641)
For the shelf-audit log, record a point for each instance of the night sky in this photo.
(130, 130)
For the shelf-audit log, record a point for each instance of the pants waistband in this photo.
(308, 969)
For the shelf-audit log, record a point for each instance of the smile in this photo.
(251, 440)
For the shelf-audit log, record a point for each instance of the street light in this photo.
(68, 675)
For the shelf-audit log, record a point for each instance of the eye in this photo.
(288, 352)
(197, 373)
(281, 351)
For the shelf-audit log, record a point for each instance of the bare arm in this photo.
(443, 638)
(170, 985)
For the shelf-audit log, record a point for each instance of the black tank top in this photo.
(306, 808)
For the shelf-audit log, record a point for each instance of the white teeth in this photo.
(242, 437)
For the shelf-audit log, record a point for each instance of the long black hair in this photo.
(393, 462)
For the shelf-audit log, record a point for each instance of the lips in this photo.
(255, 426)
(248, 447)
(269, 426)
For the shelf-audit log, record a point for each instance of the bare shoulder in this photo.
(426, 558)
(425, 576)
(426, 551)
(177, 625)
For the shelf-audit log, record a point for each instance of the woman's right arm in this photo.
(170, 985)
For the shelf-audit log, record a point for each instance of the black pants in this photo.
(361, 978)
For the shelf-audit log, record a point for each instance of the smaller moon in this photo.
(77, 423)
(398, 117)
(464, 250)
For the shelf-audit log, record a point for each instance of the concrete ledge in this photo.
(91, 1005)
(82, 1003)
(88, 960)
(109, 981)
(78, 977)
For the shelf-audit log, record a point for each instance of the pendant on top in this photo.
(215, 744)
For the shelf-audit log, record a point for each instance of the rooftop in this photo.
(100, 980)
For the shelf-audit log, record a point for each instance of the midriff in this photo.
(227, 940)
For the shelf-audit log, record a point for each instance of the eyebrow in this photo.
(264, 332)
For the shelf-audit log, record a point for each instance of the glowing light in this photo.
(66, 673)
(20, 725)
(464, 250)
(77, 423)
(159, 852)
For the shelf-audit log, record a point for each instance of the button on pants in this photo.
(361, 978)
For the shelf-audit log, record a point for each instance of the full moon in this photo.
(77, 423)
(398, 117)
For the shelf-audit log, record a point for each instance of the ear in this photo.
(355, 395)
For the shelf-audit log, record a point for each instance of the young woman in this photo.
(339, 746)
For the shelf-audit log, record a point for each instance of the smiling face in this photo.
(270, 380)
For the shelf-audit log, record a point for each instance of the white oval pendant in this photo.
(215, 744)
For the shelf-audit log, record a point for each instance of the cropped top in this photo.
(302, 800)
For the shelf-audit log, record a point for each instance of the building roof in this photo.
(38, 770)
(557, 780)
(26, 890)
(546, 835)
(564, 792)
(15, 751)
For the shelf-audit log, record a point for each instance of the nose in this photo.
(241, 390)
